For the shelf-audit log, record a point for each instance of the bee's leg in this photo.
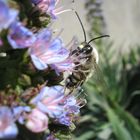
(80, 84)
(67, 86)
(85, 71)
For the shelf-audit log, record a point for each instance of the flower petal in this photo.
(39, 63)
(58, 57)
(7, 15)
(19, 36)
(37, 121)
(10, 132)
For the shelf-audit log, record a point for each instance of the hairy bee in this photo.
(87, 59)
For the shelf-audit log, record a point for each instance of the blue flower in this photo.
(71, 110)
(37, 121)
(49, 7)
(8, 128)
(66, 65)
(46, 50)
(19, 36)
(18, 112)
(72, 105)
(61, 108)
(50, 100)
(7, 15)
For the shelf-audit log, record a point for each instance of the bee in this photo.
(86, 60)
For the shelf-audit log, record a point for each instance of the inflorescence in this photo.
(33, 63)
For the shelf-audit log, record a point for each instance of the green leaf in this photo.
(131, 123)
(119, 129)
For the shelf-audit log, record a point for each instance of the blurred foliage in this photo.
(95, 17)
(113, 92)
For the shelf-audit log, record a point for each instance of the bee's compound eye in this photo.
(87, 49)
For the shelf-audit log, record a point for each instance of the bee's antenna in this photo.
(98, 38)
(81, 25)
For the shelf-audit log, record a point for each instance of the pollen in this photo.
(81, 46)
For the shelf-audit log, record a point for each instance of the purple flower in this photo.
(49, 7)
(37, 121)
(66, 65)
(19, 113)
(72, 105)
(7, 15)
(71, 110)
(49, 101)
(8, 128)
(46, 50)
(19, 36)
(52, 101)
(51, 137)
(46, 5)
(64, 119)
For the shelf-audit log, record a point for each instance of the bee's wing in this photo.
(99, 78)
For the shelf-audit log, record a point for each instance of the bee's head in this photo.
(85, 48)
